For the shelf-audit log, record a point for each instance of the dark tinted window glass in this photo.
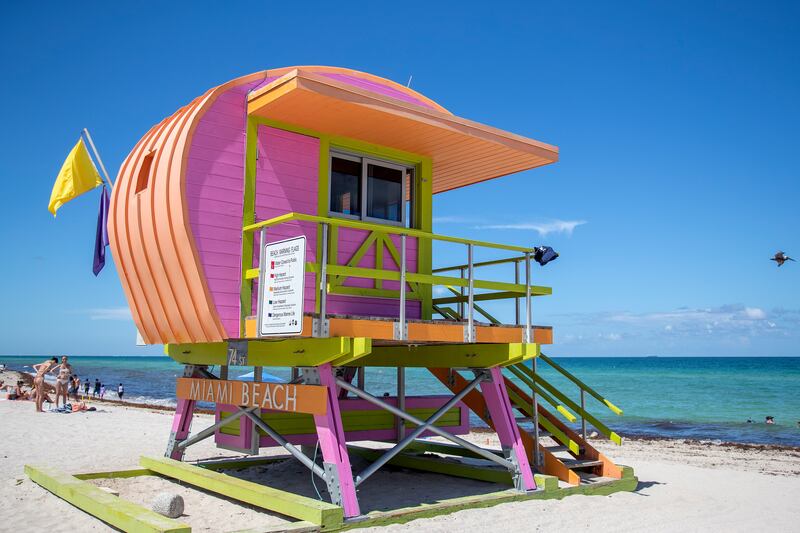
(345, 186)
(384, 192)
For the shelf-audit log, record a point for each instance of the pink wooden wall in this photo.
(286, 181)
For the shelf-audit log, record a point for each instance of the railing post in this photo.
(402, 333)
(463, 293)
(583, 415)
(516, 300)
(262, 276)
(471, 297)
(528, 336)
(537, 456)
(321, 330)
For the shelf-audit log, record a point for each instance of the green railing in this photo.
(330, 275)
(543, 389)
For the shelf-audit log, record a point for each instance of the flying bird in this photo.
(781, 258)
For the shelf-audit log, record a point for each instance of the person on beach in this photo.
(42, 369)
(86, 387)
(121, 391)
(75, 388)
(770, 420)
(63, 379)
(96, 391)
(102, 391)
(18, 393)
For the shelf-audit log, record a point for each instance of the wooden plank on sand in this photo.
(286, 503)
(113, 510)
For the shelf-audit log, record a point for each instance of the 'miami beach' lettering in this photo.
(273, 396)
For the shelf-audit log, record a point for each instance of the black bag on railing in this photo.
(544, 254)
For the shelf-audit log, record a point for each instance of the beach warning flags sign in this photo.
(77, 176)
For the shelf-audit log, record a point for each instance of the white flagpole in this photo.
(97, 155)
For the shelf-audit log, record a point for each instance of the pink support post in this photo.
(181, 424)
(499, 405)
(333, 445)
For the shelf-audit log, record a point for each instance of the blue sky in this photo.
(678, 124)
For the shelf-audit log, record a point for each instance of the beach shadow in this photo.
(388, 489)
(646, 485)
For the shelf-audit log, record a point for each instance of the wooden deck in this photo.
(381, 331)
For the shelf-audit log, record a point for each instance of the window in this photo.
(143, 177)
(369, 189)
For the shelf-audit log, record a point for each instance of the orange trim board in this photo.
(287, 397)
(417, 331)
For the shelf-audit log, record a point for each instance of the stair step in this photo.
(554, 449)
(576, 464)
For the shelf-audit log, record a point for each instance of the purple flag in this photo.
(101, 235)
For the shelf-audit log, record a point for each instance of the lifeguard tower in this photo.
(284, 219)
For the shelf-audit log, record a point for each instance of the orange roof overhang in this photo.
(463, 152)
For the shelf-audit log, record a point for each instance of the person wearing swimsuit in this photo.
(63, 380)
(41, 370)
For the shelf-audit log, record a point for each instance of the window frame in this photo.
(367, 159)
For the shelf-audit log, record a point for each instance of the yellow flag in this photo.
(77, 175)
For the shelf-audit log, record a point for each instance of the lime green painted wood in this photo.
(370, 292)
(424, 445)
(357, 420)
(396, 230)
(116, 474)
(357, 256)
(113, 510)
(448, 355)
(423, 221)
(359, 347)
(513, 292)
(395, 254)
(602, 428)
(248, 217)
(616, 410)
(515, 259)
(286, 503)
(288, 352)
(241, 464)
(542, 394)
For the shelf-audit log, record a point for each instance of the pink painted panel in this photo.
(215, 193)
(287, 179)
(376, 87)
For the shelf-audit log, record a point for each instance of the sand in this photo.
(684, 486)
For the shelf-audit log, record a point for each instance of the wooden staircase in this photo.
(564, 452)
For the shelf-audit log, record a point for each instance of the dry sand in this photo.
(684, 486)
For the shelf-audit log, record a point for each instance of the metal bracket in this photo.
(516, 471)
(237, 353)
(188, 371)
(172, 445)
(469, 333)
(400, 333)
(332, 480)
(310, 375)
(525, 335)
(321, 328)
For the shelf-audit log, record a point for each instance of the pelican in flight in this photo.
(781, 258)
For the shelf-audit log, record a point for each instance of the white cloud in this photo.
(542, 228)
(755, 313)
(110, 313)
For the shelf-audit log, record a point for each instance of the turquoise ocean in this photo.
(708, 398)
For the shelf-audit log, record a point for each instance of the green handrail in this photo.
(602, 428)
(381, 228)
(616, 410)
(557, 434)
(538, 390)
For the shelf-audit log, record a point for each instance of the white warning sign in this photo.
(280, 293)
